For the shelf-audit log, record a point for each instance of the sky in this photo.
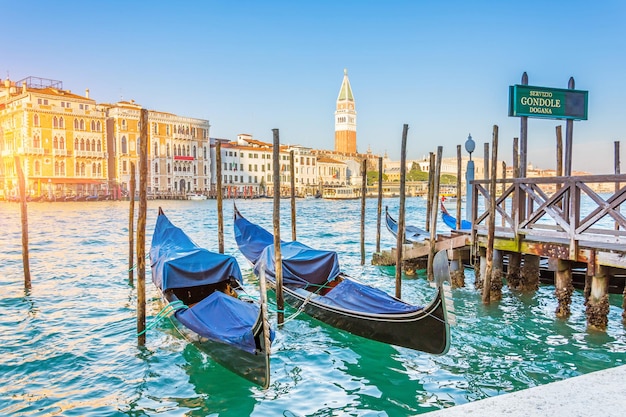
(441, 67)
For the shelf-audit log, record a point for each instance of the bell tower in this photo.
(345, 118)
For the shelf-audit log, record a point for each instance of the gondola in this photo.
(412, 234)
(450, 221)
(203, 289)
(313, 283)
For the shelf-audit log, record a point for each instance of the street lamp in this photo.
(470, 145)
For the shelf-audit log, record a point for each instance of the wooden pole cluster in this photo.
(24, 218)
(363, 196)
(400, 235)
(131, 224)
(219, 196)
(278, 259)
(292, 171)
(434, 214)
(380, 202)
(141, 229)
(486, 296)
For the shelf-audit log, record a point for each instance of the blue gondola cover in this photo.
(177, 262)
(301, 264)
(351, 295)
(222, 318)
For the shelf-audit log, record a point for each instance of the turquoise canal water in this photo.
(68, 347)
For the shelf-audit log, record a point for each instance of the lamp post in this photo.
(470, 145)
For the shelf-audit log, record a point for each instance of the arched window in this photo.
(62, 168)
(75, 124)
(188, 151)
(56, 168)
(55, 122)
(82, 169)
(94, 169)
(55, 143)
(99, 145)
(99, 169)
(76, 146)
(156, 149)
(77, 169)
(82, 124)
(36, 142)
(156, 167)
(93, 145)
(98, 126)
(167, 147)
(37, 168)
(82, 144)
(36, 120)
(169, 168)
(61, 143)
(93, 126)
(124, 145)
(123, 124)
(204, 152)
(194, 151)
(61, 123)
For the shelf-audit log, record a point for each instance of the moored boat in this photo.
(412, 234)
(196, 197)
(450, 220)
(314, 283)
(204, 289)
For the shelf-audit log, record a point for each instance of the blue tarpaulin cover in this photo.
(301, 264)
(177, 262)
(222, 318)
(354, 296)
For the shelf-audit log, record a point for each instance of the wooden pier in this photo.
(570, 225)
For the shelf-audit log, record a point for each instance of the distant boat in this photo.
(412, 234)
(341, 193)
(450, 221)
(196, 197)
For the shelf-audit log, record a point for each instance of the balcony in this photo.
(59, 152)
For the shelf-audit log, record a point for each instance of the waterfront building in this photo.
(345, 118)
(58, 136)
(332, 172)
(178, 150)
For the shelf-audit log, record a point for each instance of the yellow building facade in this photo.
(58, 138)
(70, 147)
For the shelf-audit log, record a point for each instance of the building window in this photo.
(36, 120)
(61, 123)
(124, 145)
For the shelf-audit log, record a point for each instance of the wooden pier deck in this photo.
(570, 225)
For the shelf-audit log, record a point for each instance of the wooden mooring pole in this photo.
(598, 302)
(278, 259)
(24, 218)
(433, 215)
(487, 280)
(563, 288)
(219, 197)
(380, 202)
(131, 225)
(400, 234)
(363, 196)
(141, 229)
(457, 272)
(429, 202)
(513, 276)
(292, 172)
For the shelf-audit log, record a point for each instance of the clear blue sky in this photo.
(442, 67)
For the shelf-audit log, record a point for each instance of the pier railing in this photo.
(556, 209)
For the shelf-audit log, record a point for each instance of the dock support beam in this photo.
(530, 273)
(479, 268)
(563, 288)
(598, 304)
(513, 272)
(457, 272)
(496, 276)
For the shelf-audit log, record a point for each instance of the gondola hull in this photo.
(426, 330)
(253, 367)
(344, 303)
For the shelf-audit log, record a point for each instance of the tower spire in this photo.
(345, 118)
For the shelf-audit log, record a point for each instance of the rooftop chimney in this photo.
(87, 92)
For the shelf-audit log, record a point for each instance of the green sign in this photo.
(550, 103)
